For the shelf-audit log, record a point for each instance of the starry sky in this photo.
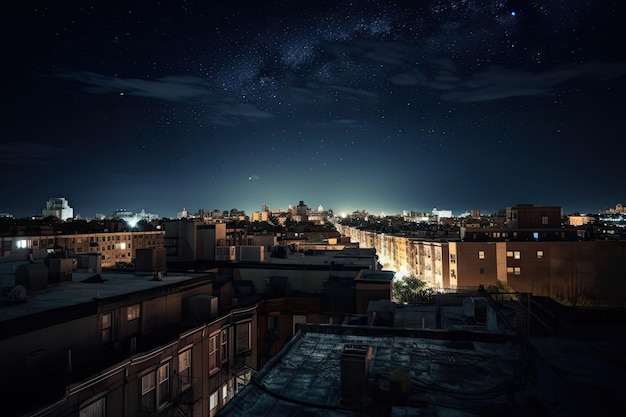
(378, 105)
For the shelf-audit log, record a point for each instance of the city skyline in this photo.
(355, 106)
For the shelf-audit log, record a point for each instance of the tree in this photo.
(412, 290)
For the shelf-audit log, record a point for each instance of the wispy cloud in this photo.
(497, 83)
(27, 153)
(174, 88)
(223, 110)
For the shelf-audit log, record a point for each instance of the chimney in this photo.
(355, 361)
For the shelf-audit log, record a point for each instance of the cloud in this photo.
(498, 83)
(173, 88)
(27, 153)
(223, 110)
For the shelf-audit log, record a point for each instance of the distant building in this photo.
(59, 208)
(560, 262)
(183, 214)
(442, 213)
(302, 213)
(262, 216)
(188, 241)
(581, 220)
(531, 216)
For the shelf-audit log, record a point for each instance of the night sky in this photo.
(377, 105)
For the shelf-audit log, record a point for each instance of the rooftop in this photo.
(454, 369)
(84, 287)
(447, 376)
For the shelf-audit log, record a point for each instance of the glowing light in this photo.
(512, 13)
(132, 221)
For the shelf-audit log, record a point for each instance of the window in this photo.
(481, 254)
(509, 254)
(107, 320)
(224, 394)
(539, 254)
(95, 408)
(224, 340)
(544, 219)
(453, 258)
(482, 271)
(148, 391)
(243, 337)
(133, 312)
(23, 244)
(155, 387)
(509, 269)
(184, 367)
(517, 270)
(164, 383)
(213, 403)
(214, 343)
(517, 255)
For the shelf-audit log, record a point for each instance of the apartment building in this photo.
(544, 261)
(121, 344)
(112, 247)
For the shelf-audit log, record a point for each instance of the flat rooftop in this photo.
(79, 290)
(444, 374)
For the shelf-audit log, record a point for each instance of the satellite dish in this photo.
(18, 293)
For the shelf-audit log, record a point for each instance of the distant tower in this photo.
(59, 208)
(182, 214)
(302, 212)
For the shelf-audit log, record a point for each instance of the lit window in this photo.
(517, 270)
(481, 254)
(213, 403)
(133, 312)
(106, 327)
(224, 394)
(517, 255)
(184, 367)
(539, 254)
(23, 244)
(544, 220)
(164, 383)
(509, 269)
(509, 254)
(95, 408)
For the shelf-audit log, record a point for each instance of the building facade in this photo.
(125, 346)
(59, 208)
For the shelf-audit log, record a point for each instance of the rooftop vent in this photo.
(355, 360)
